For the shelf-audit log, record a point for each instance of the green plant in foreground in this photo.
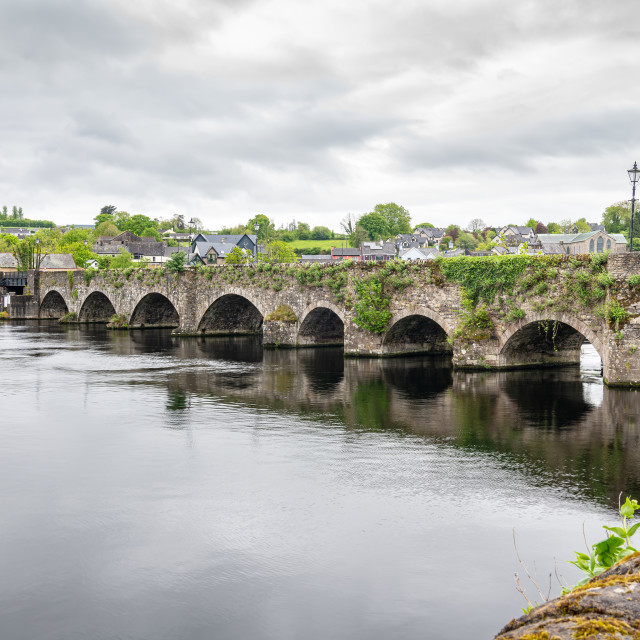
(615, 547)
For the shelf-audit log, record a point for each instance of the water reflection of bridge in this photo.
(544, 421)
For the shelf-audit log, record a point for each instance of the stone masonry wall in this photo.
(554, 320)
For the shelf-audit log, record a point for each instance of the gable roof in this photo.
(8, 261)
(58, 261)
(232, 239)
(346, 251)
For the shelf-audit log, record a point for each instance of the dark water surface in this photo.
(164, 488)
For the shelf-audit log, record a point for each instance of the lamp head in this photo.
(634, 174)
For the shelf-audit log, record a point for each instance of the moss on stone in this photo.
(284, 313)
(607, 627)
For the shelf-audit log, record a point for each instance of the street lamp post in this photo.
(634, 175)
(256, 227)
(191, 224)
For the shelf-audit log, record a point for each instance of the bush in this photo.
(176, 263)
(283, 313)
(118, 321)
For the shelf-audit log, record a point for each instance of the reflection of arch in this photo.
(53, 305)
(156, 310)
(96, 308)
(321, 324)
(547, 401)
(422, 331)
(229, 314)
(543, 340)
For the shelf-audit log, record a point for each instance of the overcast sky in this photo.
(221, 109)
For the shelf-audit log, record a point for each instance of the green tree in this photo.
(531, 223)
(120, 219)
(239, 256)
(396, 216)
(554, 227)
(176, 263)
(582, 226)
(466, 241)
(107, 228)
(278, 251)
(304, 231)
(151, 232)
(358, 236)
(7, 242)
(375, 224)
(453, 230)
(108, 210)
(321, 233)
(123, 260)
(425, 225)
(23, 252)
(76, 249)
(4, 215)
(137, 224)
(265, 227)
(617, 217)
(444, 243)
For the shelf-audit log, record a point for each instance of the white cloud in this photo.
(224, 109)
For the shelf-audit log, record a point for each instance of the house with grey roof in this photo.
(593, 226)
(404, 241)
(57, 262)
(316, 259)
(213, 249)
(419, 253)
(433, 236)
(345, 253)
(380, 251)
(515, 236)
(582, 243)
(141, 248)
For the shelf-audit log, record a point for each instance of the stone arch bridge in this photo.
(425, 318)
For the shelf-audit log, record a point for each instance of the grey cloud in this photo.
(65, 31)
(524, 146)
(94, 99)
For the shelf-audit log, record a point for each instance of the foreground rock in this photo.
(606, 607)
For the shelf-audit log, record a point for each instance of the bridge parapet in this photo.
(506, 312)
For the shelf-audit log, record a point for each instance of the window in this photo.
(591, 245)
(600, 244)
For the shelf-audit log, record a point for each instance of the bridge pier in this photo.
(621, 362)
(276, 333)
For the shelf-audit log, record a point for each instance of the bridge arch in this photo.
(154, 310)
(417, 331)
(97, 307)
(543, 340)
(53, 305)
(231, 313)
(321, 323)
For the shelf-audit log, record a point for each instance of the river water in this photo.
(164, 488)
